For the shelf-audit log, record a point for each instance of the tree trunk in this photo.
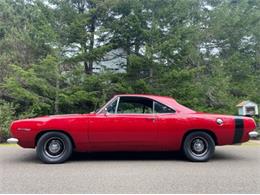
(88, 64)
(91, 45)
(128, 52)
(57, 88)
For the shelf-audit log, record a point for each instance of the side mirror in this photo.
(105, 111)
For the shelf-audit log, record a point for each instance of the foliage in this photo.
(34, 89)
(7, 114)
(205, 53)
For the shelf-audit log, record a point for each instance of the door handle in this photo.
(151, 119)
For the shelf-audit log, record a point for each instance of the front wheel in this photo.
(54, 147)
(198, 146)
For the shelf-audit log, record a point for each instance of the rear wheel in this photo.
(198, 146)
(54, 147)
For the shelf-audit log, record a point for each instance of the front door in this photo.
(128, 121)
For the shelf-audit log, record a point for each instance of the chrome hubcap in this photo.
(54, 147)
(199, 146)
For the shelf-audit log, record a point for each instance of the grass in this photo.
(6, 144)
(252, 143)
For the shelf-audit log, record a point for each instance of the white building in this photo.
(247, 108)
(114, 60)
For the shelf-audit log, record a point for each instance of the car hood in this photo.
(51, 117)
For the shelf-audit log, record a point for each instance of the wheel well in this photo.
(202, 130)
(46, 131)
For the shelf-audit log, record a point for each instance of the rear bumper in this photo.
(253, 134)
(12, 141)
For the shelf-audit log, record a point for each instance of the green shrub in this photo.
(7, 114)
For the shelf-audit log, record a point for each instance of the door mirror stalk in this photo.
(105, 111)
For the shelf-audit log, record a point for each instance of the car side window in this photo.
(161, 108)
(111, 108)
(138, 105)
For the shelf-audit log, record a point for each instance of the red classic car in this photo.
(132, 123)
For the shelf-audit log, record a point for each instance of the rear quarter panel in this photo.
(173, 127)
(224, 133)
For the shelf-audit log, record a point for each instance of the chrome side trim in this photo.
(24, 129)
(12, 141)
(117, 103)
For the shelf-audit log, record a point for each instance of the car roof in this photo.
(144, 95)
(169, 101)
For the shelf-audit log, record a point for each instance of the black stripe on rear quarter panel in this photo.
(239, 130)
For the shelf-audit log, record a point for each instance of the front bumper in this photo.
(253, 134)
(12, 141)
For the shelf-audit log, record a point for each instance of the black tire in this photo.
(198, 146)
(54, 147)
